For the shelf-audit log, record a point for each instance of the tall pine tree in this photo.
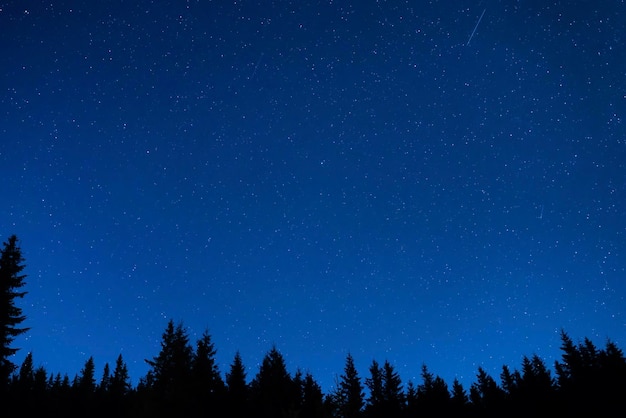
(206, 383)
(169, 379)
(273, 391)
(375, 402)
(11, 265)
(348, 398)
(237, 389)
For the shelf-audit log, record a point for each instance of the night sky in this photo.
(437, 183)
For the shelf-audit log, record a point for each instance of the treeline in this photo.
(184, 381)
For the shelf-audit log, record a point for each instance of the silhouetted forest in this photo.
(184, 381)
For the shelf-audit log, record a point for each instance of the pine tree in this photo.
(40, 385)
(612, 365)
(26, 376)
(411, 399)
(273, 391)
(458, 398)
(114, 389)
(120, 381)
(206, 381)
(393, 395)
(312, 405)
(169, 378)
(11, 265)
(485, 394)
(348, 397)
(432, 395)
(237, 388)
(375, 401)
(105, 381)
(22, 389)
(86, 382)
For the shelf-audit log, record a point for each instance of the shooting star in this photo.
(476, 27)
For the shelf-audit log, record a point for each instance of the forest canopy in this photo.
(184, 380)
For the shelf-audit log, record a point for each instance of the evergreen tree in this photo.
(21, 389)
(612, 366)
(509, 381)
(587, 381)
(11, 265)
(105, 382)
(40, 387)
(206, 381)
(26, 376)
(348, 397)
(274, 393)
(86, 382)
(237, 388)
(84, 391)
(118, 388)
(120, 381)
(170, 374)
(569, 370)
(375, 401)
(433, 397)
(312, 405)
(393, 396)
(486, 395)
(458, 399)
(536, 381)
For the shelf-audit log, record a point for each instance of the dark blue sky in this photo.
(325, 176)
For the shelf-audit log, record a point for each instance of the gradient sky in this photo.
(325, 176)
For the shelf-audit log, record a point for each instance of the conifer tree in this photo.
(273, 390)
(26, 376)
(458, 398)
(312, 401)
(11, 265)
(40, 385)
(86, 382)
(120, 381)
(206, 382)
(105, 381)
(348, 398)
(432, 395)
(170, 374)
(393, 396)
(485, 394)
(237, 388)
(376, 397)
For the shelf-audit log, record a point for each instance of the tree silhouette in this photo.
(312, 398)
(588, 379)
(411, 402)
(374, 404)
(393, 396)
(485, 394)
(237, 389)
(11, 265)
(459, 400)
(348, 398)
(433, 397)
(206, 384)
(26, 376)
(120, 381)
(273, 392)
(86, 382)
(186, 382)
(613, 375)
(105, 381)
(114, 399)
(84, 390)
(168, 379)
